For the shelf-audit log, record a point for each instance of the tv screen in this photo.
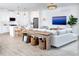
(59, 20)
(12, 19)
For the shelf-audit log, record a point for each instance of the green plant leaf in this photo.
(72, 20)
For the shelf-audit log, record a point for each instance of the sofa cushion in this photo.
(61, 31)
(69, 30)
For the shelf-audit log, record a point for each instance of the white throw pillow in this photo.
(59, 32)
(55, 26)
(69, 30)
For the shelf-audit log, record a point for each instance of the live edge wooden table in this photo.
(37, 33)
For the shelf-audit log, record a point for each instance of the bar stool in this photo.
(26, 38)
(42, 43)
(34, 40)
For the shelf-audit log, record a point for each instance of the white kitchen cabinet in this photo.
(4, 29)
(12, 31)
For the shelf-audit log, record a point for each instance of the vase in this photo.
(75, 29)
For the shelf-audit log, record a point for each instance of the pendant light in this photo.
(18, 13)
(24, 11)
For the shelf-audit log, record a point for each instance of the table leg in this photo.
(48, 43)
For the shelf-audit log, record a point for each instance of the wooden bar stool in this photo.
(34, 40)
(42, 43)
(26, 38)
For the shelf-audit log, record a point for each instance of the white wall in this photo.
(20, 19)
(34, 14)
(3, 17)
(46, 15)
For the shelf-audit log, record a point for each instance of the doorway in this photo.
(35, 23)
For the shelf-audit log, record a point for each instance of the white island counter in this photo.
(12, 30)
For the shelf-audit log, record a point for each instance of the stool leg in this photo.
(48, 43)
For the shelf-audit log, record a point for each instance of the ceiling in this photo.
(29, 6)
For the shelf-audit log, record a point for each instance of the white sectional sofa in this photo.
(61, 37)
(61, 40)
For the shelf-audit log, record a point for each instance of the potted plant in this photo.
(73, 23)
(72, 20)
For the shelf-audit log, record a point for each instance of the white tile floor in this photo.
(15, 46)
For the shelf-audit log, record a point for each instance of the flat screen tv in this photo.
(59, 20)
(12, 19)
